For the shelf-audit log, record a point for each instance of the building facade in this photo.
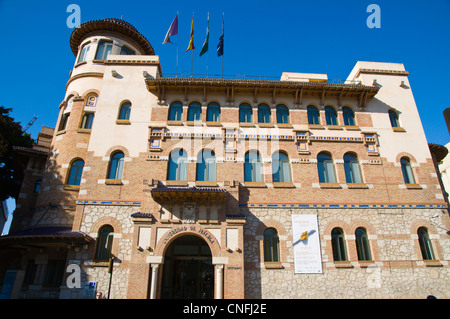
(171, 187)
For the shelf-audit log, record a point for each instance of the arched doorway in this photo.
(188, 272)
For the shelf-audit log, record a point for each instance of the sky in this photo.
(262, 38)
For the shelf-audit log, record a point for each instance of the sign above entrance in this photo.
(307, 256)
(191, 228)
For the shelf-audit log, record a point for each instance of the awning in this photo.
(183, 194)
(47, 234)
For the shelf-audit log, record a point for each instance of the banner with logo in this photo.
(307, 255)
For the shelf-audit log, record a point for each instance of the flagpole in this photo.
(177, 50)
(207, 52)
(223, 31)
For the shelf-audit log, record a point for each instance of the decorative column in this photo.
(155, 268)
(218, 263)
(219, 281)
(155, 262)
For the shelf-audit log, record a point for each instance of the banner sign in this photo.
(307, 255)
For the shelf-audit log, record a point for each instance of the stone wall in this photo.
(397, 269)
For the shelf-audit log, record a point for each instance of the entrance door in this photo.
(188, 270)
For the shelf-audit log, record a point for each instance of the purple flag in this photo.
(173, 30)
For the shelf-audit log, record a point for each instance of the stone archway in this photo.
(188, 272)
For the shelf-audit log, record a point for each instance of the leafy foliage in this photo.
(11, 134)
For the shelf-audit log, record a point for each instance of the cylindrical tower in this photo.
(91, 43)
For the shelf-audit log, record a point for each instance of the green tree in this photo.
(11, 134)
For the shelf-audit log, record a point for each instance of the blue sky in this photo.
(261, 39)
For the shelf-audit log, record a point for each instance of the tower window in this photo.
(103, 50)
(393, 117)
(83, 53)
(87, 120)
(125, 110)
(126, 51)
(75, 172)
(116, 166)
(408, 175)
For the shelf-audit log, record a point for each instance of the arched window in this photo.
(253, 167)
(313, 115)
(352, 169)
(87, 120)
(103, 50)
(116, 166)
(104, 243)
(425, 244)
(271, 245)
(393, 117)
(338, 244)
(349, 116)
(362, 244)
(206, 166)
(325, 167)
(125, 110)
(264, 113)
(175, 111)
(213, 112)
(245, 113)
(83, 53)
(408, 175)
(126, 51)
(194, 112)
(281, 170)
(282, 114)
(75, 172)
(177, 168)
(330, 115)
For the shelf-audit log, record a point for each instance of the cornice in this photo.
(84, 75)
(162, 85)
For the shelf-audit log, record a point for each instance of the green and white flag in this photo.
(205, 44)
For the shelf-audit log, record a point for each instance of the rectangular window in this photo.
(63, 122)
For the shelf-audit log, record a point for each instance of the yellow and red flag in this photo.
(191, 42)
